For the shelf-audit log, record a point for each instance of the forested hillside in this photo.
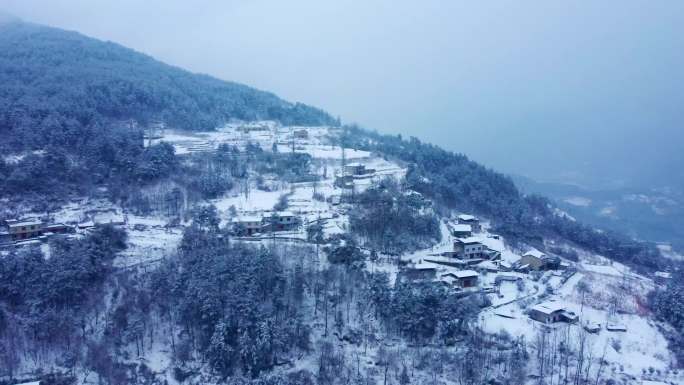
(264, 252)
(71, 100)
(56, 82)
(455, 181)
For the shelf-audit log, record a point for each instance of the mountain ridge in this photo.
(44, 65)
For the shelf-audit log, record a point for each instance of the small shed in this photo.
(616, 327)
(592, 327)
(464, 278)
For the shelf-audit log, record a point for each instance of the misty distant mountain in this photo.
(650, 214)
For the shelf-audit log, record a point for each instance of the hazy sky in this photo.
(589, 91)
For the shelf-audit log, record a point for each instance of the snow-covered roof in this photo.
(86, 224)
(616, 327)
(468, 241)
(354, 164)
(465, 273)
(467, 217)
(534, 253)
(549, 307)
(26, 222)
(489, 265)
(30, 383)
(463, 228)
(424, 266)
(663, 274)
(247, 218)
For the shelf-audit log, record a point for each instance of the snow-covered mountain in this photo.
(182, 230)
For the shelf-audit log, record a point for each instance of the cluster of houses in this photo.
(470, 258)
(254, 224)
(17, 230)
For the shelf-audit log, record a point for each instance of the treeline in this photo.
(234, 304)
(455, 181)
(110, 157)
(393, 220)
(73, 110)
(667, 304)
(48, 305)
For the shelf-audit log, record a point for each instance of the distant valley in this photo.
(654, 215)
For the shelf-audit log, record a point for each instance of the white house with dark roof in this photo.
(469, 248)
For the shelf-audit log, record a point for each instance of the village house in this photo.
(247, 225)
(57, 228)
(506, 278)
(536, 260)
(281, 221)
(503, 265)
(5, 237)
(463, 278)
(552, 312)
(662, 277)
(474, 222)
(419, 272)
(19, 230)
(250, 127)
(487, 266)
(533, 259)
(301, 134)
(469, 248)
(462, 231)
(355, 169)
(24, 229)
(344, 181)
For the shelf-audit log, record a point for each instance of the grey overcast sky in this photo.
(582, 91)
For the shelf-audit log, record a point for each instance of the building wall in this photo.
(545, 318)
(534, 262)
(468, 282)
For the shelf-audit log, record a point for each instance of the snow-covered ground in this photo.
(615, 293)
